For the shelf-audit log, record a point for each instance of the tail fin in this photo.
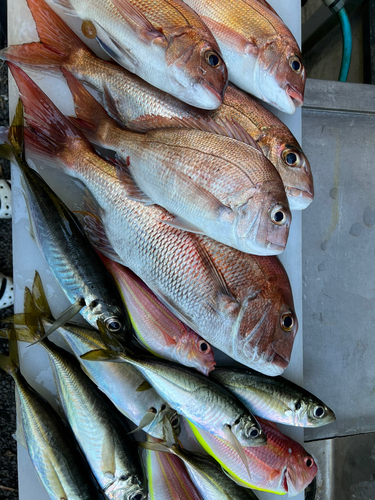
(58, 41)
(92, 119)
(50, 135)
(10, 364)
(12, 137)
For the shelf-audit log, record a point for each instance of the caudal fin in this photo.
(50, 135)
(58, 43)
(92, 119)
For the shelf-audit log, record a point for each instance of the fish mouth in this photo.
(213, 92)
(295, 96)
(280, 362)
(208, 369)
(276, 248)
(298, 199)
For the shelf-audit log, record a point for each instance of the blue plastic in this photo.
(347, 44)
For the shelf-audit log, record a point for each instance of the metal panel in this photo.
(338, 255)
(345, 468)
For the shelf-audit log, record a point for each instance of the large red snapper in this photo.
(175, 264)
(281, 466)
(163, 42)
(214, 184)
(261, 54)
(132, 101)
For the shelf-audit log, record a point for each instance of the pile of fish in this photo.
(173, 251)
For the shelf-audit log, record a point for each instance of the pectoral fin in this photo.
(233, 441)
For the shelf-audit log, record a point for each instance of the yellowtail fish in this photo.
(67, 250)
(281, 466)
(214, 184)
(50, 445)
(208, 477)
(118, 381)
(274, 398)
(101, 434)
(167, 476)
(262, 55)
(157, 329)
(173, 263)
(163, 42)
(138, 105)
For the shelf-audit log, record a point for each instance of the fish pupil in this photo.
(138, 496)
(114, 326)
(279, 216)
(254, 433)
(296, 65)
(203, 347)
(212, 59)
(319, 411)
(291, 158)
(175, 421)
(308, 462)
(288, 321)
(298, 406)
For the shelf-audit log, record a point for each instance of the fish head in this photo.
(166, 424)
(125, 487)
(281, 74)
(299, 472)
(248, 431)
(195, 352)
(196, 68)
(312, 412)
(112, 322)
(263, 222)
(267, 324)
(292, 165)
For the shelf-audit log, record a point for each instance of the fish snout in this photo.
(295, 95)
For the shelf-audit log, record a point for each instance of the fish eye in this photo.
(175, 422)
(287, 322)
(297, 406)
(204, 347)
(162, 408)
(319, 411)
(88, 29)
(137, 496)
(254, 432)
(113, 325)
(290, 157)
(309, 462)
(278, 215)
(212, 58)
(295, 64)
(94, 304)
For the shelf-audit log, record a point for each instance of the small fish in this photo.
(262, 56)
(213, 183)
(208, 477)
(281, 466)
(163, 42)
(118, 381)
(67, 250)
(138, 105)
(101, 434)
(167, 477)
(193, 396)
(49, 443)
(274, 398)
(157, 329)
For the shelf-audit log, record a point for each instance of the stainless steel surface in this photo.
(345, 467)
(338, 256)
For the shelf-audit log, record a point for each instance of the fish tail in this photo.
(92, 119)
(11, 138)
(10, 364)
(50, 135)
(58, 44)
